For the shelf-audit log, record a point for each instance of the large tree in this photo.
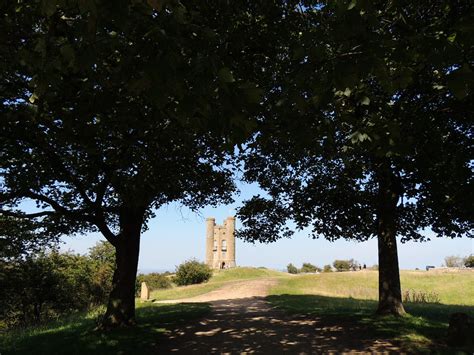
(110, 110)
(367, 129)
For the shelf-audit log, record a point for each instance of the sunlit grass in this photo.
(456, 288)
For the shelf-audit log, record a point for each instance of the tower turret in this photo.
(210, 224)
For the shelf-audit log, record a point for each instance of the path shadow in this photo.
(308, 324)
(425, 326)
(251, 325)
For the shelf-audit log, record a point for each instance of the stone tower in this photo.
(220, 243)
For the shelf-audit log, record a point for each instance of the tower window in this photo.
(215, 245)
(224, 245)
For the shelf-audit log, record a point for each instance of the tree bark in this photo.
(121, 305)
(390, 294)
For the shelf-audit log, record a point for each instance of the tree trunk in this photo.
(390, 294)
(121, 305)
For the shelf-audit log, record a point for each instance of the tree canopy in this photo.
(111, 110)
(368, 129)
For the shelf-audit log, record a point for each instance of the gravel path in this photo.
(242, 322)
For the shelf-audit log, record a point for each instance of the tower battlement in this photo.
(220, 243)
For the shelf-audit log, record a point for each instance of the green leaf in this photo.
(32, 98)
(452, 37)
(352, 5)
(365, 101)
(225, 75)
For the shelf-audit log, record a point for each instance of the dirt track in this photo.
(242, 322)
(231, 291)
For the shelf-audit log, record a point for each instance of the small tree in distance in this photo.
(342, 265)
(308, 268)
(327, 268)
(469, 261)
(292, 269)
(454, 261)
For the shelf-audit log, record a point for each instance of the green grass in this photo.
(75, 334)
(352, 296)
(456, 288)
(219, 278)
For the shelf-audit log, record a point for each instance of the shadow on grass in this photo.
(76, 335)
(423, 329)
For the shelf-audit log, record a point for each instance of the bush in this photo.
(308, 268)
(420, 297)
(48, 284)
(192, 272)
(469, 261)
(154, 281)
(327, 268)
(292, 269)
(44, 286)
(102, 257)
(454, 261)
(342, 265)
(353, 264)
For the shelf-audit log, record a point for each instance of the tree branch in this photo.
(27, 215)
(105, 230)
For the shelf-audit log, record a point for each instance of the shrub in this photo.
(49, 284)
(353, 264)
(327, 268)
(102, 257)
(292, 269)
(453, 261)
(45, 286)
(420, 297)
(192, 272)
(469, 261)
(342, 265)
(308, 267)
(154, 281)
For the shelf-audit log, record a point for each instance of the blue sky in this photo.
(177, 234)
